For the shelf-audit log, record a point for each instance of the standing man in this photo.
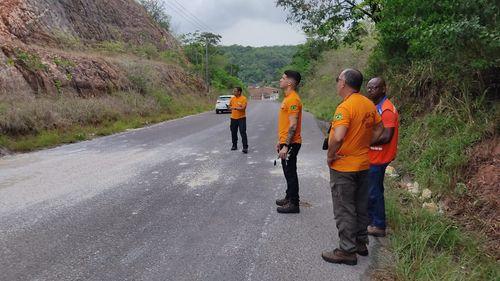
(355, 124)
(289, 140)
(381, 153)
(238, 105)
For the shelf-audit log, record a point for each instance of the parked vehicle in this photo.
(222, 104)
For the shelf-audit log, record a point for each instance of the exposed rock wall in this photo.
(34, 58)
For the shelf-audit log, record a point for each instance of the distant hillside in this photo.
(259, 65)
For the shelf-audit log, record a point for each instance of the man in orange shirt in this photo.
(289, 140)
(238, 105)
(355, 125)
(381, 153)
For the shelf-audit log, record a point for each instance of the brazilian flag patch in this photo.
(293, 107)
(338, 117)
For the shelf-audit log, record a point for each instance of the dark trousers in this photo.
(376, 204)
(242, 125)
(350, 204)
(290, 171)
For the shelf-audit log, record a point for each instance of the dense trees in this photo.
(258, 65)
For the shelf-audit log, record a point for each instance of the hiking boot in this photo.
(340, 256)
(376, 231)
(245, 150)
(234, 147)
(282, 202)
(289, 208)
(361, 249)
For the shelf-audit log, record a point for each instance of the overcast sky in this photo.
(248, 23)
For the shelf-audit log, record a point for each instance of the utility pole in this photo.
(206, 65)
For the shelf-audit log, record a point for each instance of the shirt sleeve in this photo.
(389, 119)
(293, 106)
(342, 117)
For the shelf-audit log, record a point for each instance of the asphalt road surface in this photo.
(169, 202)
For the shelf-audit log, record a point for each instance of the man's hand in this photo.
(283, 152)
(278, 147)
(330, 160)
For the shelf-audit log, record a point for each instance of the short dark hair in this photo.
(353, 78)
(294, 75)
(239, 89)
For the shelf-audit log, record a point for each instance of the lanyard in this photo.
(379, 105)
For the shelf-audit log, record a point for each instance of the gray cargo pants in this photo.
(350, 207)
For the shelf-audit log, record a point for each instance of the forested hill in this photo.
(259, 65)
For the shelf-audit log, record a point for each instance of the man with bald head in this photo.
(355, 126)
(382, 152)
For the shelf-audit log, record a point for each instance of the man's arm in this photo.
(241, 108)
(389, 121)
(335, 143)
(385, 137)
(292, 129)
(378, 130)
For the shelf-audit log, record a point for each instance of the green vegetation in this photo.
(258, 65)
(430, 246)
(219, 68)
(441, 60)
(51, 121)
(31, 61)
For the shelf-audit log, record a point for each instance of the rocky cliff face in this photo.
(47, 46)
(43, 21)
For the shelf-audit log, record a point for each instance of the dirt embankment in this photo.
(478, 209)
(46, 46)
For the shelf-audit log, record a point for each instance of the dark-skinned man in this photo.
(355, 126)
(381, 153)
(238, 105)
(289, 140)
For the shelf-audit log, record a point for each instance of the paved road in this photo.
(168, 202)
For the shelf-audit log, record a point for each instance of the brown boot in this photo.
(289, 208)
(376, 231)
(282, 202)
(361, 249)
(340, 256)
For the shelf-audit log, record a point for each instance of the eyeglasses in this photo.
(339, 79)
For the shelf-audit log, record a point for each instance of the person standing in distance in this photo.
(238, 105)
(382, 152)
(354, 127)
(289, 140)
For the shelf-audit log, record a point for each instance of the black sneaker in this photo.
(282, 202)
(245, 150)
(234, 147)
(289, 208)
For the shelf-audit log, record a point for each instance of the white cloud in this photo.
(244, 22)
(261, 33)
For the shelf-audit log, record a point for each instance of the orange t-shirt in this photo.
(359, 115)
(291, 105)
(238, 101)
(383, 154)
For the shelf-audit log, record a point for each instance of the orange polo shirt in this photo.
(359, 115)
(291, 105)
(235, 102)
(385, 153)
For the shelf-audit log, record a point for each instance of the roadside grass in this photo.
(30, 124)
(428, 246)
